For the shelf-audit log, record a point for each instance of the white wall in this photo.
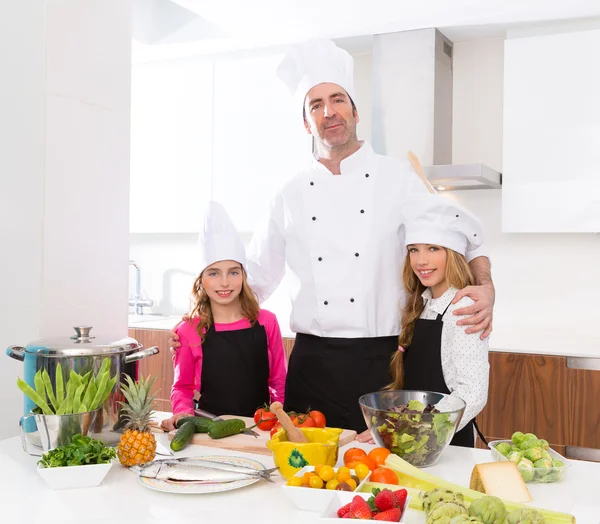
(64, 175)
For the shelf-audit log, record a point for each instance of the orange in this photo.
(353, 454)
(379, 455)
(368, 461)
(384, 475)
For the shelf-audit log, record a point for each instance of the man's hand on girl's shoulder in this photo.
(480, 314)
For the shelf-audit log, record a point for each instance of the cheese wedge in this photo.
(500, 479)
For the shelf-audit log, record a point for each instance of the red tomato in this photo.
(319, 418)
(304, 421)
(268, 419)
(275, 429)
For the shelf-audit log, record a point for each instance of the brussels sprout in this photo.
(529, 435)
(517, 438)
(533, 454)
(503, 448)
(526, 468)
(546, 455)
(525, 516)
(545, 444)
(542, 467)
(515, 456)
(558, 464)
(491, 510)
(531, 443)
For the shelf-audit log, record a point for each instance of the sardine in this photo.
(199, 471)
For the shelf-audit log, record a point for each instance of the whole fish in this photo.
(199, 471)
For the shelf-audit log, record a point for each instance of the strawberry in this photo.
(344, 509)
(359, 509)
(400, 495)
(390, 515)
(385, 500)
(374, 512)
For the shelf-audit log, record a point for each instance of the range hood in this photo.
(412, 107)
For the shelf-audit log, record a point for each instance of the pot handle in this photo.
(148, 352)
(16, 352)
(25, 442)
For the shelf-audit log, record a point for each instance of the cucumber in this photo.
(183, 436)
(226, 428)
(201, 424)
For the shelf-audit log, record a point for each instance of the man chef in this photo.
(337, 227)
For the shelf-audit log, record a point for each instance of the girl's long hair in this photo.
(201, 305)
(458, 275)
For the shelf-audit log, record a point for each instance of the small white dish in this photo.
(311, 499)
(71, 477)
(341, 498)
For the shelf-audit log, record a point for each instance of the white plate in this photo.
(170, 486)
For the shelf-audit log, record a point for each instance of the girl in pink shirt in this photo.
(231, 350)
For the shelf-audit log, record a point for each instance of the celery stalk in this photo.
(413, 477)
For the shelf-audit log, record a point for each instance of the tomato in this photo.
(384, 475)
(304, 421)
(379, 455)
(318, 417)
(354, 454)
(269, 419)
(275, 429)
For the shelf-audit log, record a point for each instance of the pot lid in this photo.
(82, 343)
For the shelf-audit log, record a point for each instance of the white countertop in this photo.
(26, 499)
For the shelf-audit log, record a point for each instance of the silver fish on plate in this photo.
(195, 470)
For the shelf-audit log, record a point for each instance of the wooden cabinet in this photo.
(161, 364)
(584, 392)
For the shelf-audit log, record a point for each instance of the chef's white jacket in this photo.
(341, 239)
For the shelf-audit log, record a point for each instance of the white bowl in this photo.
(341, 498)
(311, 499)
(70, 477)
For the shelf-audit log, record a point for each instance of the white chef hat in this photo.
(218, 239)
(316, 62)
(434, 219)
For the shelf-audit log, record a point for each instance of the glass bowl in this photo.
(412, 431)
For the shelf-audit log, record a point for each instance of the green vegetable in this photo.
(38, 382)
(491, 510)
(79, 452)
(525, 516)
(226, 428)
(517, 438)
(32, 394)
(526, 468)
(60, 389)
(77, 398)
(444, 511)
(183, 436)
(415, 432)
(103, 369)
(201, 424)
(503, 448)
(101, 385)
(50, 393)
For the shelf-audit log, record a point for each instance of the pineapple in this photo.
(137, 444)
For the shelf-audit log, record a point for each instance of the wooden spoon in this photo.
(294, 434)
(419, 170)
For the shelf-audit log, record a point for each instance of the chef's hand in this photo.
(481, 312)
(174, 342)
(169, 423)
(365, 436)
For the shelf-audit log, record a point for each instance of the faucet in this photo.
(137, 300)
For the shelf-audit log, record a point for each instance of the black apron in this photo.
(423, 369)
(235, 371)
(330, 374)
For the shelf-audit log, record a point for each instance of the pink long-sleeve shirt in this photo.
(188, 360)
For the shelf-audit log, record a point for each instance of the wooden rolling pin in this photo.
(294, 434)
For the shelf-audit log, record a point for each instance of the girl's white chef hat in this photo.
(316, 62)
(218, 239)
(434, 219)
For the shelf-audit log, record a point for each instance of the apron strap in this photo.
(440, 315)
(479, 433)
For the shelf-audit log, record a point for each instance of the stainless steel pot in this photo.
(83, 352)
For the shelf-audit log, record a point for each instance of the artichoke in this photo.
(491, 510)
(503, 448)
(464, 519)
(443, 512)
(431, 498)
(525, 516)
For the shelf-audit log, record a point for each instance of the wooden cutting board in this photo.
(248, 443)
